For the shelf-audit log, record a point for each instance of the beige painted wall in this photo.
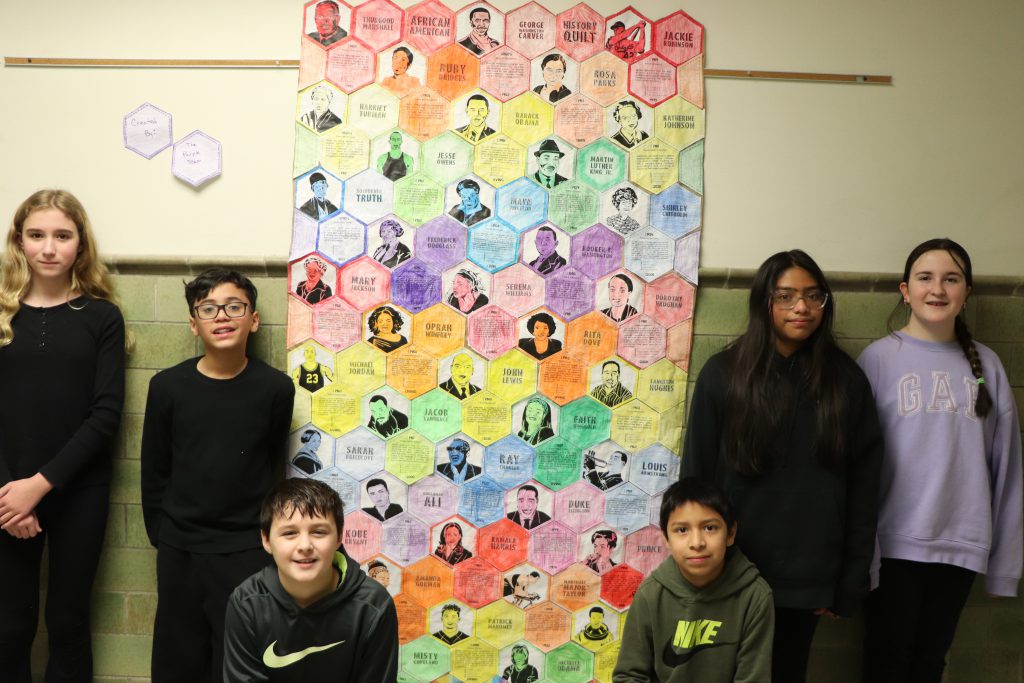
(854, 174)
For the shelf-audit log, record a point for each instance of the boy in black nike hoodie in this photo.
(313, 615)
(705, 614)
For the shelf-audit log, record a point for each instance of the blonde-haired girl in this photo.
(62, 345)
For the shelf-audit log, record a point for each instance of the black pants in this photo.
(74, 522)
(192, 596)
(910, 620)
(791, 648)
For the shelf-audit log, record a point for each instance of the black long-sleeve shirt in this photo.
(63, 389)
(809, 530)
(211, 449)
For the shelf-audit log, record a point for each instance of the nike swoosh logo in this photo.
(671, 658)
(276, 661)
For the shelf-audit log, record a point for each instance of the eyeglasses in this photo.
(787, 300)
(233, 309)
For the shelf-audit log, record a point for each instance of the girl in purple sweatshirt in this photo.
(950, 497)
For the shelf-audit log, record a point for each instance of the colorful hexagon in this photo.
(607, 657)
(452, 71)
(527, 119)
(313, 450)
(676, 211)
(579, 120)
(415, 286)
(196, 158)
(362, 536)
(652, 79)
(535, 420)
(517, 289)
(626, 508)
(441, 242)
(413, 372)
(670, 300)
(378, 23)
(504, 544)
(670, 430)
(437, 415)
(625, 208)
(482, 27)
(410, 457)
(579, 32)
(603, 78)
(341, 238)
(690, 77)
(311, 366)
(552, 162)
(424, 114)
(509, 462)
(601, 165)
(480, 501)
(464, 373)
(491, 331)
(425, 658)
(477, 582)
(569, 293)
(570, 663)
(652, 165)
(418, 199)
(635, 425)
(360, 369)
(465, 287)
(642, 341)
(555, 77)
(351, 65)
(585, 422)
(360, 453)
(547, 626)
(335, 411)
(147, 130)
(367, 197)
(596, 252)
(522, 204)
(678, 37)
(493, 245)
(412, 617)
(648, 253)
(344, 150)
(428, 581)
(318, 194)
(578, 507)
(447, 158)
(499, 160)
(563, 379)
(345, 486)
(302, 412)
(512, 376)
(439, 330)
(504, 73)
(300, 319)
(485, 417)
(558, 463)
(364, 283)
(476, 116)
(628, 34)
(606, 465)
(619, 296)
(574, 206)
(499, 623)
(591, 338)
(687, 255)
(474, 661)
(646, 549)
(428, 26)
(691, 166)
(312, 63)
(470, 200)
(525, 586)
(530, 29)
(306, 152)
(326, 25)
(407, 539)
(679, 340)
(620, 585)
(654, 469)
(432, 499)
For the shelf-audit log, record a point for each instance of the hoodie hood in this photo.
(738, 574)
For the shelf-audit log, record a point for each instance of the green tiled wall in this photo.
(990, 640)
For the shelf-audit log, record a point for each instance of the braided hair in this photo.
(983, 402)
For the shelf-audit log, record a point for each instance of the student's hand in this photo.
(826, 612)
(20, 497)
(26, 528)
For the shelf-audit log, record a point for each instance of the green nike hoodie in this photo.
(675, 632)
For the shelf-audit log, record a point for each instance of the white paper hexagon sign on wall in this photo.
(147, 130)
(196, 158)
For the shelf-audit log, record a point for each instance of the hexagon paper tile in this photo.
(147, 130)
(495, 236)
(196, 158)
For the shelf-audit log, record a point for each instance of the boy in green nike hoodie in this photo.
(705, 614)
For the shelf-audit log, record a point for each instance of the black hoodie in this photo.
(349, 636)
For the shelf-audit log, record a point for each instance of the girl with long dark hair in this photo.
(784, 422)
(950, 499)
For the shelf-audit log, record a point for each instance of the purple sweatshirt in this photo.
(951, 482)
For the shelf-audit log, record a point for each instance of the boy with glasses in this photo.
(213, 443)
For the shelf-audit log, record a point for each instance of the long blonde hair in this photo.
(88, 275)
